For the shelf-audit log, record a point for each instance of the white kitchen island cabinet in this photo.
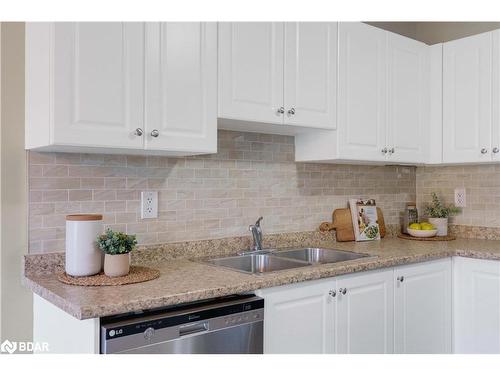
(476, 299)
(422, 308)
(121, 87)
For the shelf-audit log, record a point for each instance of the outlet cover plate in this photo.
(149, 204)
(460, 197)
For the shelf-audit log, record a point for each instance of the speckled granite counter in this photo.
(183, 280)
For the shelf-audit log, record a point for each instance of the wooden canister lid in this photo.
(84, 217)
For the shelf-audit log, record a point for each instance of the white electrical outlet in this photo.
(149, 204)
(460, 197)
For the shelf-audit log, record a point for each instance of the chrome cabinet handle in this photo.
(495, 150)
(391, 150)
(401, 279)
(343, 291)
(332, 293)
(484, 151)
(280, 110)
(291, 112)
(384, 150)
(155, 133)
(138, 132)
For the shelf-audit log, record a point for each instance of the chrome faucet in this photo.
(256, 234)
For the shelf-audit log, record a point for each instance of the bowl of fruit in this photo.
(423, 229)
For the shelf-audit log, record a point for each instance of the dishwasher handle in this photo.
(191, 329)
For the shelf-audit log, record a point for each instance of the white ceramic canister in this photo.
(83, 256)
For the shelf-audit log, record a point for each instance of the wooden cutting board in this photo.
(342, 223)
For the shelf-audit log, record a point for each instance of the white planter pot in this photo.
(441, 224)
(83, 257)
(116, 265)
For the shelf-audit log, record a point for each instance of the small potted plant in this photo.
(117, 247)
(438, 215)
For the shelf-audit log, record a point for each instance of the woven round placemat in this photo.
(137, 274)
(436, 238)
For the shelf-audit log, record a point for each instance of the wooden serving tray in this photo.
(435, 238)
(137, 274)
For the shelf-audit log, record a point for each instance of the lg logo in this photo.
(23, 346)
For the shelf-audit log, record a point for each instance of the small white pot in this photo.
(116, 265)
(441, 224)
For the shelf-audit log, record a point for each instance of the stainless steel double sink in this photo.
(265, 261)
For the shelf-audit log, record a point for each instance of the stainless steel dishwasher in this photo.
(230, 325)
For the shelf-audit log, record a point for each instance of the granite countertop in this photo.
(185, 280)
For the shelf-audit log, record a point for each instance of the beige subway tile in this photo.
(55, 195)
(80, 195)
(115, 206)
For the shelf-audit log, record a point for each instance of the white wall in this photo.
(17, 302)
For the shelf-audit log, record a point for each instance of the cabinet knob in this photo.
(384, 150)
(401, 279)
(495, 150)
(291, 112)
(280, 111)
(343, 291)
(392, 150)
(155, 133)
(332, 293)
(138, 132)
(484, 151)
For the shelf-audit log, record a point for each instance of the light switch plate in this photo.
(149, 204)
(460, 197)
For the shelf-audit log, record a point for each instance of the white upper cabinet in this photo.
(88, 88)
(476, 298)
(423, 308)
(362, 92)
(280, 74)
(181, 76)
(467, 88)
(311, 74)
(251, 71)
(299, 318)
(408, 95)
(365, 311)
(93, 76)
(383, 100)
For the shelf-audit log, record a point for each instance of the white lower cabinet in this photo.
(364, 321)
(422, 308)
(476, 301)
(299, 318)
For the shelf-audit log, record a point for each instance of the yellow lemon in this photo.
(415, 226)
(427, 226)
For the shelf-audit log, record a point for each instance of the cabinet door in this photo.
(476, 305)
(423, 308)
(311, 74)
(467, 99)
(408, 95)
(251, 71)
(181, 87)
(299, 318)
(98, 84)
(362, 91)
(364, 321)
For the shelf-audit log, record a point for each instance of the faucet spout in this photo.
(256, 234)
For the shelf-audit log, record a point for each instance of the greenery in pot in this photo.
(437, 210)
(115, 243)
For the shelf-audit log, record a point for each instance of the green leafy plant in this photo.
(114, 243)
(437, 210)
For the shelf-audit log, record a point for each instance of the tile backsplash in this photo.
(482, 185)
(204, 197)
